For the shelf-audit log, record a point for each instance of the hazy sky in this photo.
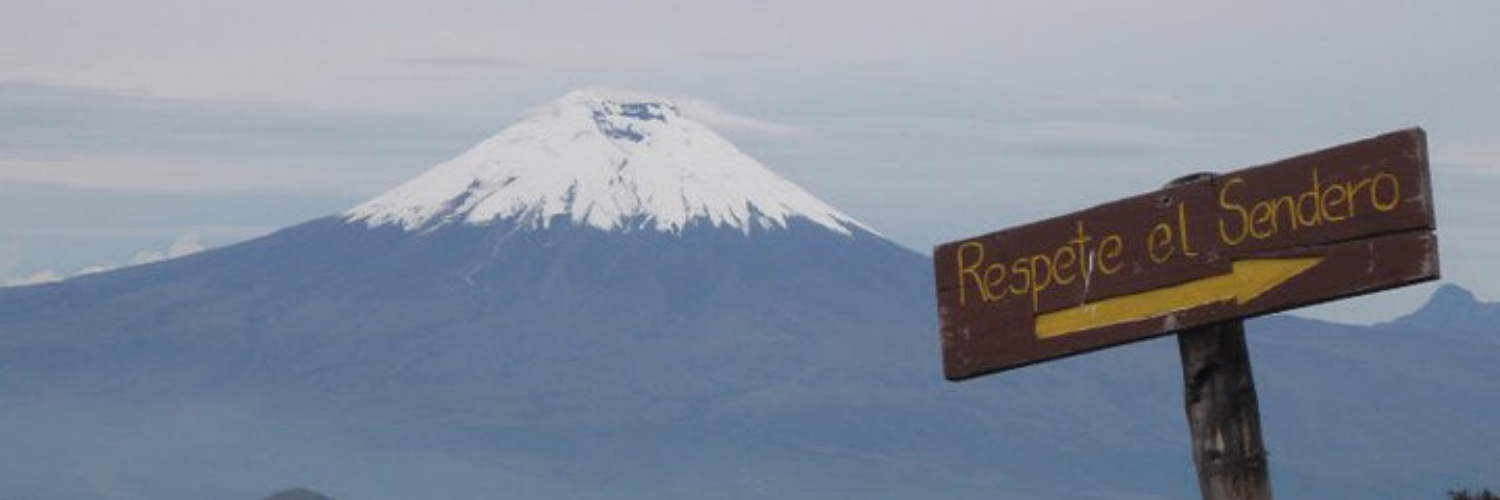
(135, 127)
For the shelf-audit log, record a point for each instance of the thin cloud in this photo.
(175, 175)
(112, 138)
(185, 244)
(10, 255)
(471, 62)
(37, 278)
(1102, 100)
(709, 113)
(716, 116)
(1094, 139)
(49, 121)
(729, 55)
(1469, 168)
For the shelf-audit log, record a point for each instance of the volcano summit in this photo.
(611, 165)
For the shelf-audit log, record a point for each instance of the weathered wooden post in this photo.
(1194, 259)
(1223, 412)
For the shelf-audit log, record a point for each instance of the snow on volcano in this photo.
(613, 165)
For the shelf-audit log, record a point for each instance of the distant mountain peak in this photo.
(1451, 295)
(612, 164)
(1454, 307)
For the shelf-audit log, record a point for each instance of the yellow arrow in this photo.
(1246, 280)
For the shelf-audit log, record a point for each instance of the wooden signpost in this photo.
(1194, 258)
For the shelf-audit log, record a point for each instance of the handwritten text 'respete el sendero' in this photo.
(1239, 218)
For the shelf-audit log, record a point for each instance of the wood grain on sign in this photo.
(1345, 221)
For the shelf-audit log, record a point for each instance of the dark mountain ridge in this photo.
(1456, 309)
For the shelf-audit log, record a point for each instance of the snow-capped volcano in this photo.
(610, 164)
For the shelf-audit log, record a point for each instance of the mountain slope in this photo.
(313, 304)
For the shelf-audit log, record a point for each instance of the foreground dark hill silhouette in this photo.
(297, 494)
(609, 301)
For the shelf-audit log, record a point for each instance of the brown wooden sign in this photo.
(1349, 220)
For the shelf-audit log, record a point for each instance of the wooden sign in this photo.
(1349, 220)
